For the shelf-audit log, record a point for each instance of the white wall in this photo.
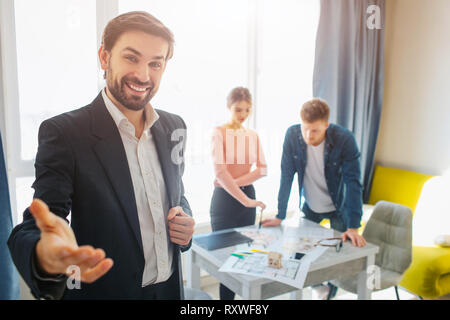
(415, 124)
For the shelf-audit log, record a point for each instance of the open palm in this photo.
(57, 249)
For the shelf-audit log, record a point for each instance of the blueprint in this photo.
(293, 272)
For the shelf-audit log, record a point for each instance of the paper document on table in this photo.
(305, 264)
(262, 238)
(257, 265)
(292, 272)
(302, 240)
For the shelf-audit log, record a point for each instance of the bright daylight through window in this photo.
(267, 46)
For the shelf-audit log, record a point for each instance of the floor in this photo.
(210, 286)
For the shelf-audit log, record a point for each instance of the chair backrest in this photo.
(397, 185)
(390, 228)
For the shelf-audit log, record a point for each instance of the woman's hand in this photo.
(255, 203)
(275, 222)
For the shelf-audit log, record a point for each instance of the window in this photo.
(265, 45)
(286, 33)
(56, 71)
(210, 58)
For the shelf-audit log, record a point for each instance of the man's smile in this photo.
(136, 89)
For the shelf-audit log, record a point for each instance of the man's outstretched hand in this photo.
(58, 249)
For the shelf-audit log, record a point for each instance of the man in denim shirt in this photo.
(326, 158)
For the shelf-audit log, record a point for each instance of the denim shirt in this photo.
(342, 171)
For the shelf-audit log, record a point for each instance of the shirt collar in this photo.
(151, 116)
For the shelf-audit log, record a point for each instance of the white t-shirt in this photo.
(315, 186)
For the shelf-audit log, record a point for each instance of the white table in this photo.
(329, 266)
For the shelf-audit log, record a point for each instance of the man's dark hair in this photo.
(136, 21)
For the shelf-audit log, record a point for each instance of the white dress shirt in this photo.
(150, 191)
(315, 186)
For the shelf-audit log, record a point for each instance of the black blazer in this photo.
(82, 169)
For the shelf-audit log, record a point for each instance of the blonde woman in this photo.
(235, 149)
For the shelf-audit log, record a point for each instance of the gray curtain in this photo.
(349, 72)
(9, 283)
(9, 280)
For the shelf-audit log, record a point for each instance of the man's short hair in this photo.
(136, 21)
(315, 109)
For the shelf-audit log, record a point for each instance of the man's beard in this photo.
(130, 102)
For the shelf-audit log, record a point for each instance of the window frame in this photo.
(9, 102)
(10, 125)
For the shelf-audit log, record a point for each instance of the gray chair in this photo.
(390, 228)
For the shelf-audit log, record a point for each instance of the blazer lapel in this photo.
(111, 153)
(163, 141)
(163, 144)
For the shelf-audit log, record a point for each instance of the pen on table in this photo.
(261, 251)
(241, 255)
(260, 219)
